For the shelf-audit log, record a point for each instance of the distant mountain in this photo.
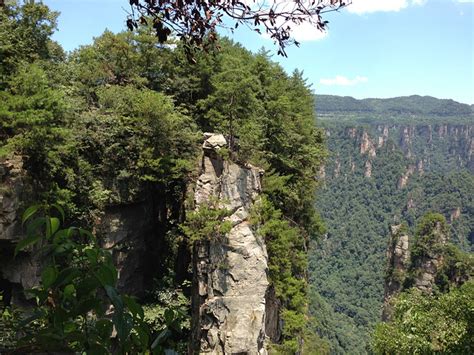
(405, 105)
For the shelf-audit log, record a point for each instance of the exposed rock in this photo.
(127, 231)
(366, 145)
(368, 169)
(431, 261)
(420, 167)
(398, 259)
(322, 172)
(22, 272)
(337, 169)
(384, 137)
(406, 135)
(455, 214)
(352, 132)
(230, 274)
(403, 181)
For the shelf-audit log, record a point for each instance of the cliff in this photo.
(390, 160)
(230, 272)
(233, 308)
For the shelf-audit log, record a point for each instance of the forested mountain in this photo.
(112, 133)
(391, 160)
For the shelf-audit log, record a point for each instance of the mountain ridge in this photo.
(402, 105)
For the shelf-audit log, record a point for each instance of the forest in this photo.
(101, 151)
(386, 167)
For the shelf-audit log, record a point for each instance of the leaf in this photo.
(54, 224)
(69, 291)
(22, 244)
(106, 275)
(60, 210)
(114, 297)
(37, 315)
(133, 306)
(123, 324)
(48, 276)
(86, 233)
(164, 334)
(104, 327)
(30, 211)
(32, 227)
(66, 276)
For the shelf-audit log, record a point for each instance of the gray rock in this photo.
(230, 275)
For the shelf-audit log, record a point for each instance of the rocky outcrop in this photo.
(403, 180)
(21, 272)
(429, 264)
(366, 145)
(230, 273)
(420, 270)
(368, 169)
(398, 261)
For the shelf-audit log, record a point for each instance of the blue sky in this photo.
(374, 48)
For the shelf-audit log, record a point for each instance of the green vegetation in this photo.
(440, 320)
(78, 287)
(347, 266)
(119, 123)
(429, 324)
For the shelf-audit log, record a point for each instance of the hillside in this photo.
(384, 167)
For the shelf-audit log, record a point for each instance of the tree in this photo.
(196, 21)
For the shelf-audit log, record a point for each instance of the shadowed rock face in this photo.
(398, 261)
(23, 271)
(230, 275)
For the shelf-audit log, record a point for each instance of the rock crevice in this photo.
(230, 274)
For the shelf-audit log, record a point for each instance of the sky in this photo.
(373, 48)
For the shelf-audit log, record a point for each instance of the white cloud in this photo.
(306, 32)
(340, 80)
(368, 6)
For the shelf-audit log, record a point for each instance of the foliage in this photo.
(77, 284)
(347, 266)
(195, 21)
(118, 124)
(168, 316)
(429, 323)
(430, 231)
(207, 223)
(407, 105)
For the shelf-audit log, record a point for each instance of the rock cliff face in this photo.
(23, 271)
(422, 146)
(133, 232)
(230, 275)
(400, 264)
(398, 261)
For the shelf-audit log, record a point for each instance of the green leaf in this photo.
(69, 291)
(37, 315)
(30, 211)
(106, 275)
(22, 244)
(133, 306)
(66, 276)
(114, 297)
(86, 233)
(123, 324)
(32, 227)
(160, 339)
(54, 223)
(48, 276)
(60, 210)
(104, 327)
